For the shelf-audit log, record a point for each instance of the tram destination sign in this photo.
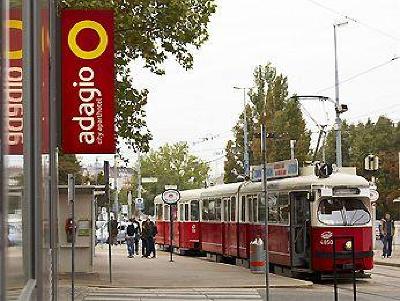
(171, 196)
(87, 71)
(276, 170)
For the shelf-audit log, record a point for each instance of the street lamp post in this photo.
(246, 156)
(338, 122)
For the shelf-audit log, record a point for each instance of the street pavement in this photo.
(189, 278)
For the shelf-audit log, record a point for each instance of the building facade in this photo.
(28, 182)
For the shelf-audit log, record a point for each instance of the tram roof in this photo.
(305, 182)
(221, 190)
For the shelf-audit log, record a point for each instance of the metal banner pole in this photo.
(335, 291)
(353, 255)
(107, 193)
(71, 198)
(264, 155)
(170, 233)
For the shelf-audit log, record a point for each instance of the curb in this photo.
(389, 264)
(305, 284)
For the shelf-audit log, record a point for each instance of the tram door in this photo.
(300, 229)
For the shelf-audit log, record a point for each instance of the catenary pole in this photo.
(265, 192)
(338, 122)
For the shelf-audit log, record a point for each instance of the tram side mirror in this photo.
(323, 170)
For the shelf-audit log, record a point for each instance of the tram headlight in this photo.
(348, 246)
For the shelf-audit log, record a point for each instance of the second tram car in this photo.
(305, 214)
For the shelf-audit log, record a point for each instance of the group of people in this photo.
(386, 231)
(146, 233)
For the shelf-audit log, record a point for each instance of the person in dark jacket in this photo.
(138, 233)
(143, 237)
(386, 230)
(130, 238)
(149, 231)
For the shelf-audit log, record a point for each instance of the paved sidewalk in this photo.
(142, 275)
(394, 260)
(183, 272)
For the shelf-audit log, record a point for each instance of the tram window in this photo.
(278, 211)
(186, 212)
(211, 210)
(233, 209)
(254, 208)
(174, 212)
(166, 212)
(243, 210)
(204, 211)
(181, 213)
(194, 211)
(218, 209)
(342, 212)
(261, 208)
(226, 210)
(159, 212)
(250, 208)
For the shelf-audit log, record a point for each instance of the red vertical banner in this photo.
(87, 71)
(14, 80)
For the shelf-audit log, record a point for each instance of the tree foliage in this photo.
(270, 105)
(171, 165)
(381, 138)
(149, 31)
(68, 164)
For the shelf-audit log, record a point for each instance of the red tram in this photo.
(305, 214)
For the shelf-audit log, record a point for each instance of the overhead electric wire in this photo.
(336, 12)
(360, 74)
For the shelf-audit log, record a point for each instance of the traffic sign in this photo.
(171, 196)
(139, 204)
(374, 195)
(149, 180)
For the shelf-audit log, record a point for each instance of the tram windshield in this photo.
(343, 212)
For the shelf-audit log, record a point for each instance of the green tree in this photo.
(381, 138)
(68, 164)
(149, 31)
(174, 165)
(270, 105)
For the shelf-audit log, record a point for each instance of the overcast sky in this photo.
(296, 36)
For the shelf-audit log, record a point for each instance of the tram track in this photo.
(362, 288)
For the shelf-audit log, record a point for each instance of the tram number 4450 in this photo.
(326, 242)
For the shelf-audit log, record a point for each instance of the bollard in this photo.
(257, 256)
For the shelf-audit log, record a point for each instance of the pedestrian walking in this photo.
(138, 233)
(150, 230)
(130, 238)
(114, 231)
(386, 231)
